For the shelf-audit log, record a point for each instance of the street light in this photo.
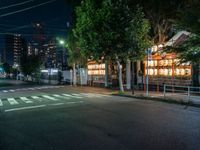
(62, 42)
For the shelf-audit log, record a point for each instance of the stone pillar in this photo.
(128, 74)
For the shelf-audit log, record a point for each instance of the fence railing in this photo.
(189, 92)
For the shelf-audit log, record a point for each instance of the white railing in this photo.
(188, 93)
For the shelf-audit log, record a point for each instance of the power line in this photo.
(18, 4)
(25, 34)
(53, 26)
(28, 8)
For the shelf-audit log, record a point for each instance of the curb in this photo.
(170, 101)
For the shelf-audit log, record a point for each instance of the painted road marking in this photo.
(102, 95)
(26, 100)
(87, 94)
(57, 104)
(74, 102)
(49, 97)
(34, 88)
(90, 95)
(12, 101)
(78, 95)
(35, 97)
(1, 104)
(59, 96)
(97, 95)
(68, 95)
(24, 108)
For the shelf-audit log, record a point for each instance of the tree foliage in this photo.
(7, 68)
(189, 19)
(30, 64)
(161, 15)
(189, 51)
(74, 51)
(111, 29)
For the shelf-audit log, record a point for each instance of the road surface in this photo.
(67, 118)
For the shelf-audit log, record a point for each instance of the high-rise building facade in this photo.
(50, 54)
(38, 40)
(14, 45)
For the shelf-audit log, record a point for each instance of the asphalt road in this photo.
(67, 118)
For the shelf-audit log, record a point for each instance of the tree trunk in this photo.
(120, 76)
(106, 73)
(133, 78)
(128, 75)
(74, 75)
(199, 74)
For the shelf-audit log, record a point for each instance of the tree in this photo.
(75, 56)
(189, 51)
(29, 64)
(7, 68)
(113, 31)
(189, 20)
(161, 15)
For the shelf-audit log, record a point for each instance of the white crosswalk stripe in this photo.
(77, 95)
(94, 95)
(91, 95)
(26, 100)
(86, 94)
(102, 95)
(34, 88)
(35, 97)
(1, 104)
(59, 96)
(49, 97)
(53, 97)
(12, 101)
(68, 95)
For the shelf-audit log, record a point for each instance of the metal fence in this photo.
(186, 93)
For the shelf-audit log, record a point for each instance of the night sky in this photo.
(55, 14)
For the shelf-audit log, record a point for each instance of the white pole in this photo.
(71, 77)
(147, 77)
(164, 91)
(188, 93)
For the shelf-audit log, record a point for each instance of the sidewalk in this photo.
(181, 98)
(178, 98)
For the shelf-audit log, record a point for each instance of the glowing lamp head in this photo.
(62, 42)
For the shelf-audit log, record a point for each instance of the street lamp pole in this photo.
(147, 74)
(62, 42)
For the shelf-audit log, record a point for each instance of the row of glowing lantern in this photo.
(168, 62)
(168, 72)
(96, 66)
(96, 72)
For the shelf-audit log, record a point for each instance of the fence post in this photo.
(164, 91)
(188, 93)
